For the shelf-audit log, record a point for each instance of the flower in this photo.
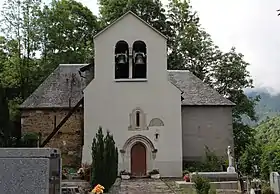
(98, 189)
(187, 178)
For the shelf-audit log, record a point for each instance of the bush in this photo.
(29, 140)
(266, 189)
(201, 184)
(155, 171)
(104, 160)
(210, 163)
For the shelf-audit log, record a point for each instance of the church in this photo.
(158, 117)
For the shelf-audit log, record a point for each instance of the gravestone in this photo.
(30, 170)
(274, 180)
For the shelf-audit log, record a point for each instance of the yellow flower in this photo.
(98, 189)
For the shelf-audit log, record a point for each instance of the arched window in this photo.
(139, 66)
(121, 60)
(137, 118)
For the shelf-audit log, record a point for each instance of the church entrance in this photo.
(138, 159)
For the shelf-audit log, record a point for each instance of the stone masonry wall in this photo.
(69, 139)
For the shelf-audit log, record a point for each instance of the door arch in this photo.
(138, 159)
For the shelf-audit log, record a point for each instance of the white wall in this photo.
(108, 103)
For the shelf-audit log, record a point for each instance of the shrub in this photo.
(123, 172)
(29, 139)
(104, 160)
(210, 163)
(155, 171)
(201, 184)
(266, 189)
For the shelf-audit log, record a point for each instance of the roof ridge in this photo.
(135, 15)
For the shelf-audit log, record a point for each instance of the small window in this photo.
(137, 119)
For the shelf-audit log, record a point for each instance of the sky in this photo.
(252, 26)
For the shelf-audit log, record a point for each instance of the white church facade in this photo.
(132, 96)
(159, 118)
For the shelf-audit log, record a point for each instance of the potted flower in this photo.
(154, 174)
(125, 175)
(187, 178)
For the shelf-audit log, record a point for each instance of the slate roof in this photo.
(195, 91)
(62, 87)
(65, 83)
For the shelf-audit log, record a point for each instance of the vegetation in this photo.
(201, 184)
(266, 108)
(104, 160)
(210, 163)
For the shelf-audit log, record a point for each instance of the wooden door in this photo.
(138, 160)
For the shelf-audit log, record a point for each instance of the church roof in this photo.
(64, 87)
(195, 91)
(136, 16)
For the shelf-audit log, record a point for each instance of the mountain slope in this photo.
(268, 106)
(269, 131)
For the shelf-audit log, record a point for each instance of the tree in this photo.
(66, 34)
(151, 11)
(190, 46)
(270, 160)
(20, 29)
(5, 125)
(250, 160)
(104, 160)
(231, 77)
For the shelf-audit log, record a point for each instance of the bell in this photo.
(139, 59)
(121, 59)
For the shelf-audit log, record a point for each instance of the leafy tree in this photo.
(270, 160)
(151, 11)
(21, 32)
(66, 34)
(250, 161)
(190, 47)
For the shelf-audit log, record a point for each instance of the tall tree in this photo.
(190, 47)
(19, 27)
(230, 77)
(5, 125)
(151, 11)
(66, 34)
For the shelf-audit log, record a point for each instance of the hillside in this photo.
(269, 130)
(269, 105)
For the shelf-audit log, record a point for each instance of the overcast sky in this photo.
(252, 26)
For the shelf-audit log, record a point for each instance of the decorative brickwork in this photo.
(69, 139)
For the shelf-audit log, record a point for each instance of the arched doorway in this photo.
(138, 159)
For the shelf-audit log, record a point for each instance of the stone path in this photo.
(141, 186)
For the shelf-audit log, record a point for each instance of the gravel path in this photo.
(141, 186)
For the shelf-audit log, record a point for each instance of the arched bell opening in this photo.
(121, 60)
(139, 62)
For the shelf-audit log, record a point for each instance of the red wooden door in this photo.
(138, 160)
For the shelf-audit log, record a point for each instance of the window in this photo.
(139, 62)
(121, 60)
(137, 119)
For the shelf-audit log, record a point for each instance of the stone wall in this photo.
(69, 139)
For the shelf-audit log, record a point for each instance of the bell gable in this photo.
(130, 50)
